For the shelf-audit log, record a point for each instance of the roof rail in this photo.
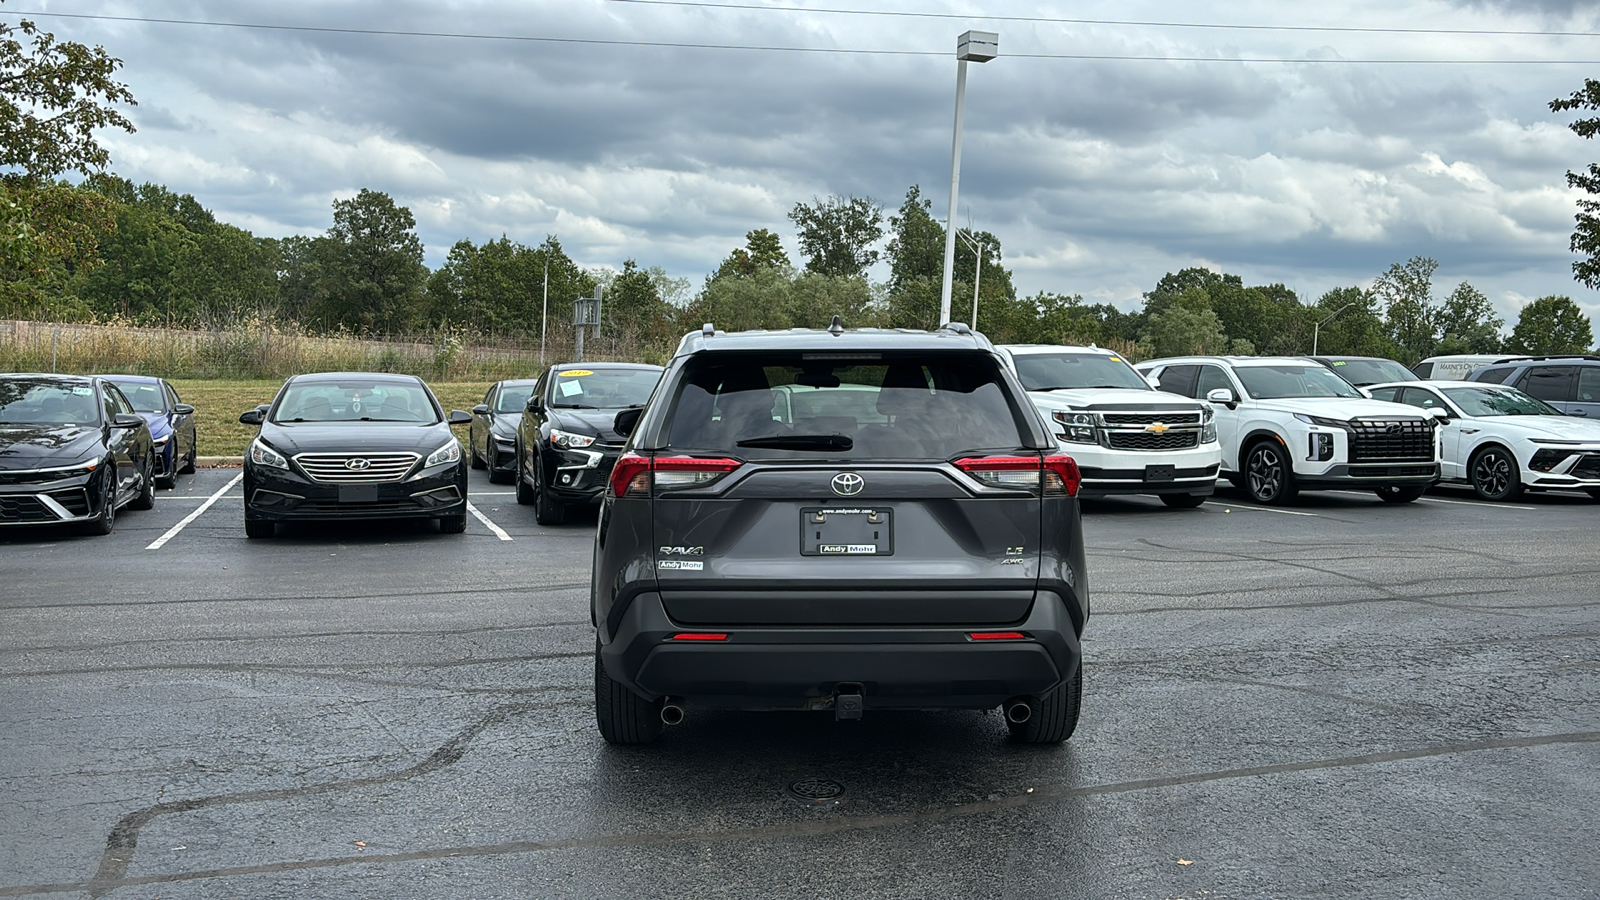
(956, 327)
(1541, 358)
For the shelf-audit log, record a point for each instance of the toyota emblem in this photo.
(358, 464)
(848, 484)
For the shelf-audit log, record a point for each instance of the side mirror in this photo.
(252, 417)
(1223, 396)
(627, 420)
(1364, 392)
(1153, 381)
(460, 417)
(1439, 412)
(482, 409)
(183, 409)
(126, 420)
(534, 404)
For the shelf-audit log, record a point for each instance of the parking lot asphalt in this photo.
(1343, 698)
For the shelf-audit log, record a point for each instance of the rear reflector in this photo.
(997, 636)
(699, 636)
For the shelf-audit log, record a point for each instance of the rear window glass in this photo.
(1493, 376)
(790, 407)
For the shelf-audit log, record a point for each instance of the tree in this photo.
(916, 243)
(1467, 323)
(762, 250)
(1406, 294)
(1586, 236)
(1352, 324)
(1188, 326)
(1551, 326)
(374, 265)
(837, 234)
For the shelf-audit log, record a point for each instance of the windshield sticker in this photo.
(83, 391)
(1339, 362)
(568, 388)
(576, 373)
(1116, 359)
(681, 564)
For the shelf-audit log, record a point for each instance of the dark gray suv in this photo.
(838, 520)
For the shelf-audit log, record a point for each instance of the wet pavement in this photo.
(1345, 698)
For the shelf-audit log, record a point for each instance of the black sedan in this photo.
(171, 424)
(354, 445)
(72, 450)
(492, 439)
(566, 445)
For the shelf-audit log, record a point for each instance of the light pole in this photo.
(977, 272)
(974, 46)
(1317, 328)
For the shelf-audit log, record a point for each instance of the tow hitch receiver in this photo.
(847, 702)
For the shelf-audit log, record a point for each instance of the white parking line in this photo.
(492, 493)
(499, 532)
(1281, 512)
(173, 531)
(1480, 505)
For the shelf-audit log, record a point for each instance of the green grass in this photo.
(218, 404)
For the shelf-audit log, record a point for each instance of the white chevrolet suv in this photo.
(1126, 436)
(1287, 424)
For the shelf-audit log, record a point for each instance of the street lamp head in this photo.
(978, 46)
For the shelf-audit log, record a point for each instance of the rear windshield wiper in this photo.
(800, 442)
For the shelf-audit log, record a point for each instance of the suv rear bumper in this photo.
(797, 667)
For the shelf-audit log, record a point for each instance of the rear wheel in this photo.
(1495, 474)
(1267, 474)
(1183, 501)
(1054, 716)
(623, 716)
(257, 529)
(1396, 493)
(147, 489)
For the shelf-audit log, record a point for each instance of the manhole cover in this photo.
(816, 790)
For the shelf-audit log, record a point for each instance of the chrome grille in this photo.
(1386, 440)
(1115, 419)
(1146, 440)
(336, 468)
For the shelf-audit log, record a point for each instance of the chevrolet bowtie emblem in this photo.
(1158, 428)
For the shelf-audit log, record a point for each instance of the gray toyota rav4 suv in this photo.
(838, 520)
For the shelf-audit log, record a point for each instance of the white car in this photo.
(1499, 440)
(1126, 436)
(1288, 423)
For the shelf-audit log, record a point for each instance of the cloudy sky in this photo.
(1309, 144)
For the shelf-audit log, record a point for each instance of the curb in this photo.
(219, 462)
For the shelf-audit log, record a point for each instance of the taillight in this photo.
(1061, 475)
(1054, 475)
(635, 474)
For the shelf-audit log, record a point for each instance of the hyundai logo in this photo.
(358, 464)
(1393, 428)
(848, 484)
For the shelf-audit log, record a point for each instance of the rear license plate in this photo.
(358, 493)
(855, 531)
(1159, 473)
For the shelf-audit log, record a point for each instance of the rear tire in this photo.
(623, 716)
(1268, 475)
(1495, 474)
(1184, 501)
(257, 529)
(453, 524)
(1395, 493)
(1054, 716)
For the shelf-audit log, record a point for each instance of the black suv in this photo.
(838, 520)
(1569, 383)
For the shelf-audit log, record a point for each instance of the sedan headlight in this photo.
(262, 455)
(566, 440)
(449, 453)
(1325, 423)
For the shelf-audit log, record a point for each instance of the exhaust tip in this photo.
(671, 714)
(1018, 711)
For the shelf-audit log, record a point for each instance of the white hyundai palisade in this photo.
(1286, 424)
(1126, 436)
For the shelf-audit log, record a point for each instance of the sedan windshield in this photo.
(1058, 371)
(581, 388)
(1362, 372)
(1281, 381)
(513, 396)
(144, 396)
(1487, 401)
(355, 401)
(47, 403)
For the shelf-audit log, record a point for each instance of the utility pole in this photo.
(977, 46)
(544, 316)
